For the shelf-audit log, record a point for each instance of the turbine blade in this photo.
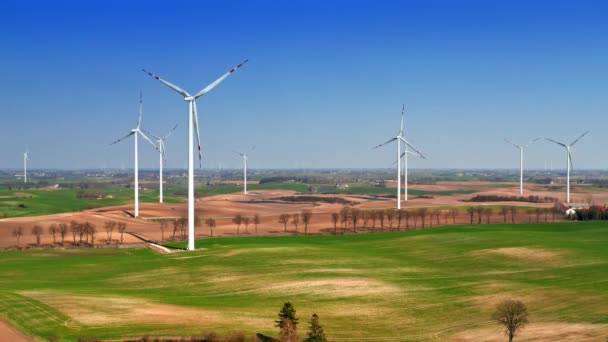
(510, 142)
(198, 136)
(557, 142)
(170, 132)
(150, 134)
(141, 109)
(146, 138)
(579, 138)
(170, 85)
(402, 114)
(123, 138)
(413, 148)
(570, 159)
(251, 149)
(218, 81)
(389, 141)
(163, 151)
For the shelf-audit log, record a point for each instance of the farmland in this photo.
(436, 284)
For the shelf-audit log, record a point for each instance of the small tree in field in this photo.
(284, 219)
(355, 215)
(306, 218)
(91, 230)
(390, 216)
(287, 322)
(335, 218)
(121, 229)
(453, 213)
(246, 221)
(345, 216)
(315, 331)
(488, 212)
(471, 212)
(504, 211)
(18, 233)
(479, 210)
(373, 215)
(211, 224)
(513, 211)
(53, 230)
(256, 221)
(513, 315)
(74, 227)
(380, 214)
(37, 231)
(422, 212)
(295, 220)
(238, 220)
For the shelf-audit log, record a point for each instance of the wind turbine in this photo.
(163, 157)
(193, 126)
(135, 131)
(569, 161)
(521, 161)
(245, 155)
(26, 157)
(399, 138)
(405, 169)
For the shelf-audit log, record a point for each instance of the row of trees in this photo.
(498, 198)
(239, 220)
(305, 217)
(392, 219)
(80, 233)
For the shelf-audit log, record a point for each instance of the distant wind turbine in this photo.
(26, 157)
(245, 156)
(192, 127)
(569, 161)
(135, 131)
(162, 157)
(399, 138)
(521, 161)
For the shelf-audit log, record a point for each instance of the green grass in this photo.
(382, 287)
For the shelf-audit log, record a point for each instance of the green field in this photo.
(410, 286)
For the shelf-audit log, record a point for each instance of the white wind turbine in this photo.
(26, 157)
(569, 161)
(404, 172)
(399, 138)
(245, 156)
(135, 131)
(163, 157)
(192, 127)
(521, 161)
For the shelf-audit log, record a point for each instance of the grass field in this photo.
(410, 286)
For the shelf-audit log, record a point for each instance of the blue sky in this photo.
(325, 81)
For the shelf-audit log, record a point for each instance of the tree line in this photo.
(76, 233)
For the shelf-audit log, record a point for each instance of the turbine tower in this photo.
(135, 131)
(192, 127)
(245, 156)
(521, 161)
(26, 157)
(399, 138)
(569, 161)
(162, 157)
(404, 172)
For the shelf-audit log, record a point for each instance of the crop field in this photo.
(435, 284)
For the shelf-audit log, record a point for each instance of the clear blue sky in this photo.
(325, 81)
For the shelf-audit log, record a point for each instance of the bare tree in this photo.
(538, 212)
(366, 217)
(238, 220)
(335, 218)
(82, 231)
(37, 231)
(109, 227)
(53, 230)
(390, 216)
(306, 218)
(163, 227)
(471, 212)
(63, 230)
(373, 215)
(453, 213)
(504, 211)
(91, 230)
(18, 233)
(211, 224)
(479, 210)
(488, 213)
(183, 223)
(246, 221)
(380, 214)
(407, 214)
(284, 219)
(74, 227)
(513, 315)
(422, 212)
(436, 213)
(513, 211)
(355, 215)
(546, 213)
(345, 216)
(295, 220)
(415, 216)
(400, 216)
(175, 227)
(256, 221)
(122, 227)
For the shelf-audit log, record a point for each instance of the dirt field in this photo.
(8, 333)
(265, 204)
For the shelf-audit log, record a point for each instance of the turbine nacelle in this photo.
(189, 98)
